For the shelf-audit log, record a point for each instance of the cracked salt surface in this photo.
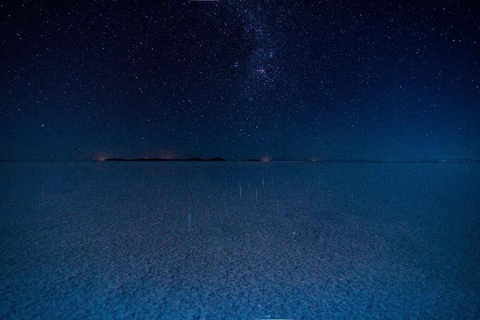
(239, 240)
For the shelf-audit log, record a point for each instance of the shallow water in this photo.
(239, 240)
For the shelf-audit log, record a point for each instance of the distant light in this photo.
(100, 157)
(266, 159)
(169, 155)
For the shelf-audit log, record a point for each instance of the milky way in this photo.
(239, 79)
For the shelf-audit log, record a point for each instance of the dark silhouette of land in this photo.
(162, 159)
(212, 159)
(139, 159)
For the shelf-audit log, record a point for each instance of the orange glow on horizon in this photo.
(100, 157)
(169, 155)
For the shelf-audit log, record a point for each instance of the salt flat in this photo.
(236, 240)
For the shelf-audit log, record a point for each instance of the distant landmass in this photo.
(212, 159)
(162, 159)
(138, 159)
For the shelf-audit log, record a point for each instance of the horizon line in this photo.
(219, 159)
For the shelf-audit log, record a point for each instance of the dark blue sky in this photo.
(239, 79)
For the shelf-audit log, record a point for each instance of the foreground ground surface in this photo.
(239, 240)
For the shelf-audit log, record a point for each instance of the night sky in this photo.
(239, 79)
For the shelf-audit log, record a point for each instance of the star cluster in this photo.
(239, 79)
